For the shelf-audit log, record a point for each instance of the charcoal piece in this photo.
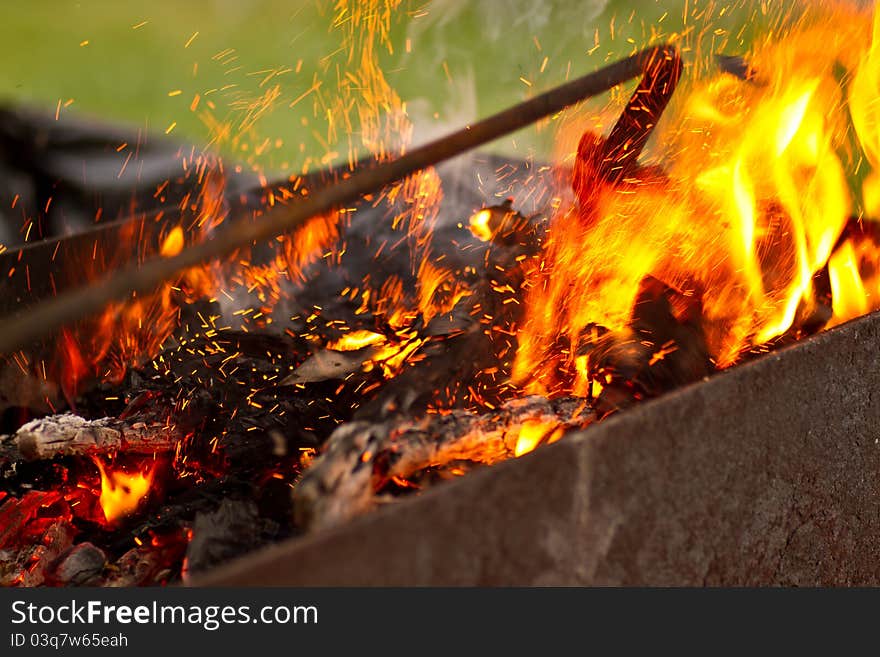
(470, 347)
(233, 529)
(225, 394)
(183, 501)
(78, 565)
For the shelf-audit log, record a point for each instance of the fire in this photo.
(392, 357)
(439, 292)
(309, 243)
(355, 340)
(535, 432)
(495, 222)
(480, 225)
(173, 242)
(75, 367)
(121, 492)
(127, 332)
(758, 187)
(854, 276)
(750, 227)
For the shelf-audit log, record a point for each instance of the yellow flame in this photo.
(533, 432)
(173, 243)
(848, 293)
(356, 340)
(479, 225)
(122, 492)
(754, 199)
(863, 94)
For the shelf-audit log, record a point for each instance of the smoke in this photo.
(474, 56)
(500, 18)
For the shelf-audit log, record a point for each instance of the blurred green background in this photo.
(454, 60)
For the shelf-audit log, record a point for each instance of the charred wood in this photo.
(71, 435)
(613, 159)
(467, 354)
(664, 348)
(361, 456)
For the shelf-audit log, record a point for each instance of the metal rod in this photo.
(41, 320)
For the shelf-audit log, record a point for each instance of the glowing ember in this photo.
(173, 243)
(121, 493)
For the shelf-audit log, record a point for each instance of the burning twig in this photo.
(361, 456)
(40, 321)
(630, 133)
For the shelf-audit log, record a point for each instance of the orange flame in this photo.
(534, 432)
(308, 243)
(173, 243)
(480, 225)
(74, 367)
(121, 493)
(127, 332)
(854, 274)
(755, 196)
(355, 340)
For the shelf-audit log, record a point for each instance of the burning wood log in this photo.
(663, 349)
(70, 435)
(360, 457)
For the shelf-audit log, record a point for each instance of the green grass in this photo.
(467, 58)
